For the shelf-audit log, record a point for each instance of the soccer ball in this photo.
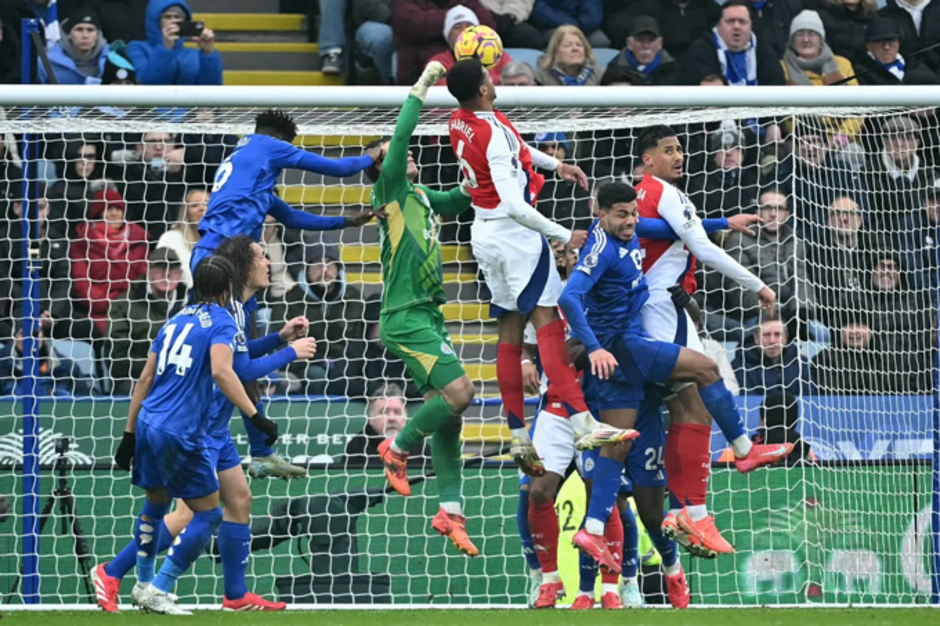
(479, 42)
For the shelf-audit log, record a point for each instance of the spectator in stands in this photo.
(58, 376)
(621, 76)
(850, 366)
(184, 235)
(458, 20)
(512, 23)
(162, 59)
(896, 176)
(839, 262)
(768, 362)
(385, 417)
(81, 175)
(733, 51)
(517, 74)
(107, 254)
(681, 21)
(79, 57)
(374, 42)
(136, 316)
(771, 20)
(585, 15)
(881, 63)
(10, 66)
(918, 239)
(418, 25)
(563, 201)
(846, 22)
(645, 57)
(808, 60)
(569, 60)
(774, 254)
(276, 251)
(203, 153)
(332, 37)
(728, 184)
(919, 21)
(779, 418)
(336, 314)
(46, 11)
(118, 70)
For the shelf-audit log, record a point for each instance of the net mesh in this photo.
(850, 202)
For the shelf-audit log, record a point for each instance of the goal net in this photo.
(845, 369)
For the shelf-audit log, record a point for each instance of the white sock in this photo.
(697, 512)
(631, 580)
(452, 508)
(395, 448)
(551, 577)
(583, 423)
(672, 570)
(741, 446)
(594, 526)
(609, 588)
(675, 511)
(535, 573)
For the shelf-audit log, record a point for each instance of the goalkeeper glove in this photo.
(524, 454)
(266, 426)
(432, 73)
(124, 457)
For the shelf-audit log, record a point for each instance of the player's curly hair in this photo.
(464, 79)
(650, 138)
(276, 123)
(212, 280)
(239, 252)
(614, 192)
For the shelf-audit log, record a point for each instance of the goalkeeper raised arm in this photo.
(411, 324)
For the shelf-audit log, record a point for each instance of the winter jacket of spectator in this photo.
(722, 193)
(848, 126)
(759, 376)
(104, 262)
(58, 375)
(204, 154)
(10, 66)
(868, 71)
(918, 240)
(814, 189)
(679, 25)
(585, 14)
(371, 11)
(153, 195)
(842, 371)
(363, 448)
(845, 29)
(417, 25)
(547, 78)
(666, 73)
(839, 275)
(448, 60)
(520, 10)
(156, 65)
(892, 197)
(120, 19)
(64, 68)
(911, 41)
(778, 261)
(702, 60)
(771, 21)
(134, 320)
(69, 197)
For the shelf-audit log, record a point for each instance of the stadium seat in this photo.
(605, 56)
(529, 55)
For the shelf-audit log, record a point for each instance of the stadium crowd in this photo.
(850, 206)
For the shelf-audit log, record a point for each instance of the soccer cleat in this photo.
(670, 529)
(396, 467)
(630, 596)
(138, 590)
(549, 594)
(611, 600)
(274, 466)
(454, 527)
(589, 433)
(582, 603)
(106, 587)
(252, 602)
(703, 534)
(678, 589)
(533, 582)
(152, 600)
(761, 455)
(596, 547)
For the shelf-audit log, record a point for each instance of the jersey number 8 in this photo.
(179, 354)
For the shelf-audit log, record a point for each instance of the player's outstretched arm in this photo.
(295, 218)
(567, 171)
(286, 155)
(658, 228)
(451, 202)
(249, 369)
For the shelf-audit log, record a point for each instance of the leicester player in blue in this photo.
(602, 302)
(167, 434)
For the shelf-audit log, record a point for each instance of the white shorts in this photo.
(554, 442)
(663, 322)
(518, 266)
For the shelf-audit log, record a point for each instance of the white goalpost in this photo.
(847, 182)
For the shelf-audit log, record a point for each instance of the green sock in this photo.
(445, 455)
(435, 414)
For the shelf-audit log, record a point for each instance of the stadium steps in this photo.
(260, 56)
(281, 78)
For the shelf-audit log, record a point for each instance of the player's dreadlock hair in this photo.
(464, 79)
(614, 192)
(372, 172)
(212, 280)
(651, 137)
(239, 252)
(276, 123)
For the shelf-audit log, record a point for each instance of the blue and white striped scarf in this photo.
(49, 18)
(740, 68)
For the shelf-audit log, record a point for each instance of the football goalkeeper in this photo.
(411, 324)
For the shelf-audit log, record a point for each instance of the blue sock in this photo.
(525, 535)
(631, 543)
(187, 547)
(587, 568)
(126, 559)
(607, 473)
(720, 404)
(147, 538)
(257, 440)
(666, 547)
(234, 546)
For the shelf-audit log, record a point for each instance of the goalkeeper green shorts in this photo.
(418, 337)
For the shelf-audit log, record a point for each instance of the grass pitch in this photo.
(647, 617)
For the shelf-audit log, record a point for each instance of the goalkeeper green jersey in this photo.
(412, 269)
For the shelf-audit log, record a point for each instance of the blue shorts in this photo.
(224, 453)
(162, 461)
(641, 360)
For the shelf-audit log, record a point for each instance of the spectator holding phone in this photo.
(162, 59)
